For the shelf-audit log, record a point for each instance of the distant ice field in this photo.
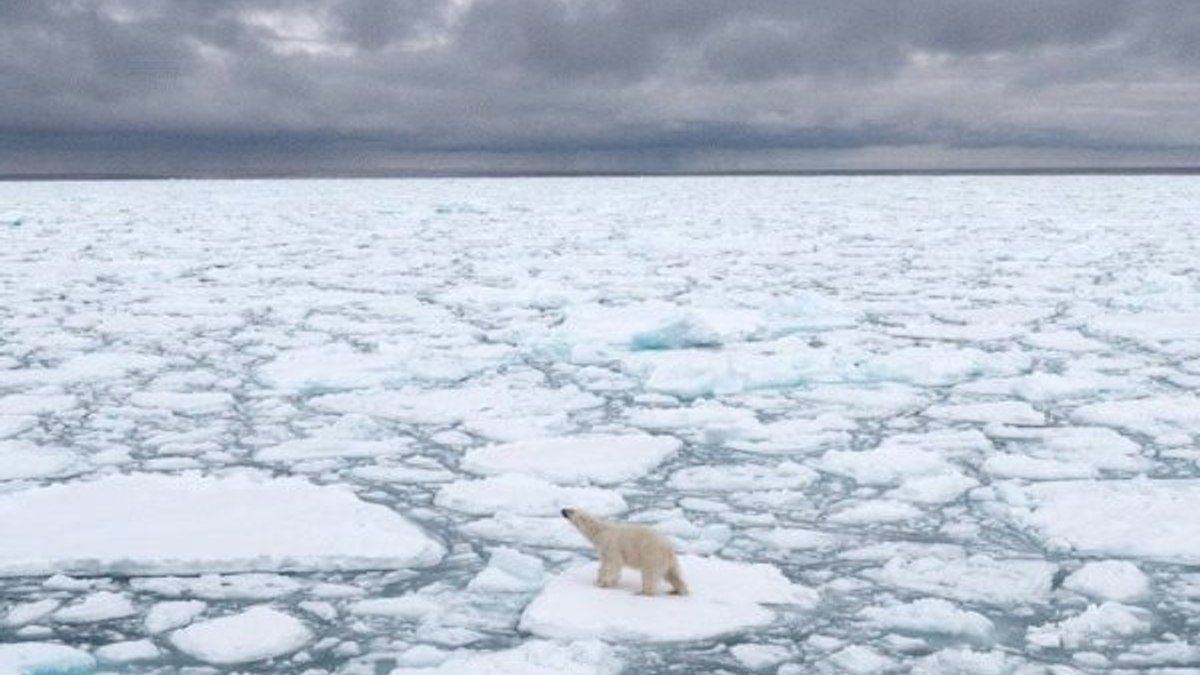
(893, 424)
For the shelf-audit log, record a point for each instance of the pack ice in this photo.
(910, 424)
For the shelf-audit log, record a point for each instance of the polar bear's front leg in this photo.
(610, 570)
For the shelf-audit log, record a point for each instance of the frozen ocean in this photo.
(893, 424)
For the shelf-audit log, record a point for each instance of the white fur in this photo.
(624, 545)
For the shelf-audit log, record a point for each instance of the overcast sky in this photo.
(192, 87)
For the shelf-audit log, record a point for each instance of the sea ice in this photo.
(1137, 518)
(1158, 416)
(168, 524)
(25, 460)
(165, 616)
(874, 511)
(759, 656)
(906, 455)
(535, 657)
(725, 597)
(28, 612)
(255, 634)
(127, 652)
(322, 448)
(43, 658)
(999, 412)
(509, 571)
(938, 395)
(1097, 626)
(726, 478)
(596, 458)
(978, 577)
(525, 495)
(100, 606)
(1118, 580)
(553, 531)
(932, 615)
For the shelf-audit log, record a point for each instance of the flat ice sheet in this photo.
(253, 635)
(587, 458)
(1153, 519)
(43, 658)
(152, 524)
(725, 597)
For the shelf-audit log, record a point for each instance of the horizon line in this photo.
(66, 176)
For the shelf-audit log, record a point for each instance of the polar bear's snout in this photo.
(566, 513)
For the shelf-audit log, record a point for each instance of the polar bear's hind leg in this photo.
(650, 577)
(678, 587)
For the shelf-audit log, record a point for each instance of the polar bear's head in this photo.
(589, 525)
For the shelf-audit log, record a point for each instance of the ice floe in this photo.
(535, 657)
(101, 606)
(1097, 627)
(525, 495)
(127, 652)
(588, 458)
(1140, 517)
(725, 597)
(171, 614)
(139, 524)
(25, 460)
(932, 616)
(255, 634)
(43, 658)
(1118, 580)
(951, 573)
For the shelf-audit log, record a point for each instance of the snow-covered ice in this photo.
(726, 597)
(1142, 518)
(596, 458)
(525, 495)
(147, 524)
(101, 606)
(1118, 580)
(43, 658)
(535, 657)
(255, 634)
(962, 410)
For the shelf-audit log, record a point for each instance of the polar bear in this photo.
(623, 545)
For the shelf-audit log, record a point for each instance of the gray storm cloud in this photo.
(211, 86)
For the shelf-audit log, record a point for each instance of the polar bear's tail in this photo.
(675, 578)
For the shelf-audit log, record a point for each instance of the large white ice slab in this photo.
(19, 460)
(253, 635)
(536, 657)
(337, 367)
(1165, 417)
(725, 597)
(975, 578)
(525, 495)
(905, 456)
(595, 458)
(43, 658)
(1137, 518)
(152, 524)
